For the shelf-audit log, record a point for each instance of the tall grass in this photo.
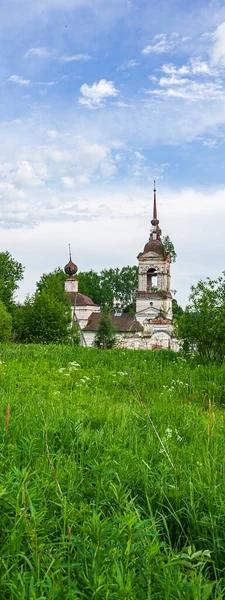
(91, 507)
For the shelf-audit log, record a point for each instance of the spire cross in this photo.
(70, 252)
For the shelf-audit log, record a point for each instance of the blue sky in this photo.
(98, 99)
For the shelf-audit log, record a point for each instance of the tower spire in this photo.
(155, 220)
(155, 233)
(154, 203)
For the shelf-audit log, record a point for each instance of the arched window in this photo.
(151, 273)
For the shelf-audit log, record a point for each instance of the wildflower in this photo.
(74, 364)
(179, 438)
(168, 433)
(61, 369)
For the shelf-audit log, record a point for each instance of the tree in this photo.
(202, 325)
(53, 283)
(89, 283)
(169, 247)
(51, 318)
(110, 285)
(177, 309)
(11, 271)
(5, 323)
(105, 337)
(46, 316)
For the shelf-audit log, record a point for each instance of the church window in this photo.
(150, 274)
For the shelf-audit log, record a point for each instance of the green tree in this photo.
(202, 325)
(5, 323)
(177, 309)
(89, 283)
(51, 318)
(11, 272)
(53, 283)
(46, 316)
(105, 337)
(169, 247)
(110, 285)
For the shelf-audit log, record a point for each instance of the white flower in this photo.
(168, 433)
(179, 438)
(61, 369)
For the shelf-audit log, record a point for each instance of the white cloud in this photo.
(194, 67)
(28, 175)
(19, 80)
(47, 83)
(74, 58)
(128, 64)
(218, 49)
(40, 52)
(52, 134)
(170, 69)
(94, 96)
(163, 42)
(122, 104)
(68, 182)
(191, 90)
(139, 156)
(107, 168)
(173, 80)
(199, 67)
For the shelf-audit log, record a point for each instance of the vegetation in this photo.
(105, 337)
(202, 325)
(169, 247)
(110, 285)
(11, 272)
(46, 316)
(91, 506)
(5, 323)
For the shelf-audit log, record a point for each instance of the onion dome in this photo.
(70, 268)
(155, 246)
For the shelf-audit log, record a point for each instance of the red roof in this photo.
(126, 322)
(80, 299)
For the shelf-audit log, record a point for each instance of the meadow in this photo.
(112, 479)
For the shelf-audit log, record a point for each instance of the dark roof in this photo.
(81, 299)
(126, 322)
(155, 246)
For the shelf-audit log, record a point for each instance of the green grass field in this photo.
(93, 505)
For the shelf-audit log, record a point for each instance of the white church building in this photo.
(151, 326)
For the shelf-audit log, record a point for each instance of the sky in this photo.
(99, 98)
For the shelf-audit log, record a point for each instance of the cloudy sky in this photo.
(98, 98)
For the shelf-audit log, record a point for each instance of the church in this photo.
(150, 327)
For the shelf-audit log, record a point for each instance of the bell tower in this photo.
(153, 299)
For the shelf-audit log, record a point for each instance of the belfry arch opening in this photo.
(151, 273)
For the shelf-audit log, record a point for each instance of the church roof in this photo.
(125, 323)
(155, 246)
(81, 299)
